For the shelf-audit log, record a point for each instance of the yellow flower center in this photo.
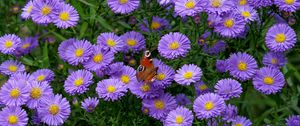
(216, 3)
(145, 88)
(179, 119)
(131, 42)
(203, 87)
(98, 58)
(111, 89)
(269, 80)
(35, 93)
(229, 23)
(46, 10)
(110, 42)
(190, 4)
(12, 68)
(289, 2)
(15, 93)
(243, 2)
(146, 110)
(29, 9)
(246, 14)
(161, 76)
(79, 52)
(78, 82)
(159, 104)
(26, 45)
(64, 16)
(280, 38)
(242, 66)
(41, 78)
(123, 1)
(209, 105)
(53, 109)
(174, 45)
(8, 44)
(274, 61)
(155, 25)
(238, 124)
(125, 79)
(188, 75)
(12, 119)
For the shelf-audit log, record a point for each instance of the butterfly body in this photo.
(146, 71)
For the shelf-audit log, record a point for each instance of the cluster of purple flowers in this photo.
(13, 44)
(43, 12)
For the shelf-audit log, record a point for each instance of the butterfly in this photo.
(146, 71)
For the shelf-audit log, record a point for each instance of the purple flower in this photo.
(27, 9)
(123, 6)
(293, 120)
(43, 10)
(213, 20)
(10, 67)
(9, 43)
(22, 76)
(260, 3)
(165, 75)
(26, 45)
(14, 93)
(188, 74)
(268, 80)
(165, 2)
(280, 38)
(79, 52)
(78, 82)
(183, 100)
(13, 116)
(110, 89)
(142, 90)
(242, 66)
(38, 91)
(218, 6)
(54, 110)
(36, 119)
(208, 105)
(248, 12)
(42, 75)
(115, 69)
(99, 60)
(222, 66)
(201, 88)
(287, 5)
(230, 113)
(242, 121)
(66, 17)
(159, 107)
(112, 41)
(89, 104)
(273, 59)
(174, 45)
(241, 2)
(231, 25)
(134, 41)
(228, 88)
(180, 116)
(189, 7)
(127, 76)
(215, 48)
(63, 46)
(156, 25)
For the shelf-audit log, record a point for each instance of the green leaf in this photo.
(45, 61)
(104, 23)
(86, 3)
(83, 29)
(125, 25)
(58, 35)
(27, 61)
